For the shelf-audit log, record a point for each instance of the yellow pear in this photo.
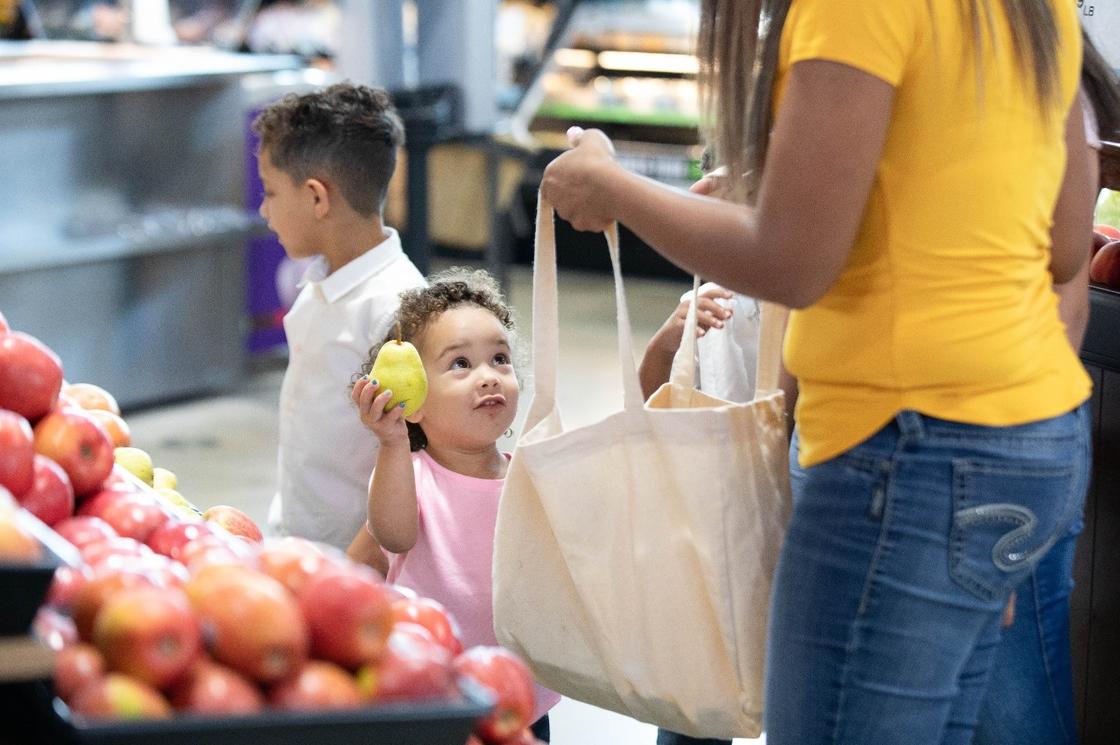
(164, 479)
(398, 368)
(178, 502)
(135, 461)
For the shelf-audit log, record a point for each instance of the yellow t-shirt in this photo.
(945, 305)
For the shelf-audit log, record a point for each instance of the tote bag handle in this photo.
(546, 321)
(768, 364)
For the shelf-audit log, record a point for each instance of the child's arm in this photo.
(365, 550)
(392, 512)
(657, 361)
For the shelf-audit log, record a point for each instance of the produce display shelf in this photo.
(431, 723)
(23, 587)
(24, 658)
(1102, 342)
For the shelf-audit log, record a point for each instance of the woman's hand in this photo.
(713, 184)
(577, 182)
(389, 426)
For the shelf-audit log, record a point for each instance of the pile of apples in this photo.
(61, 446)
(175, 611)
(207, 624)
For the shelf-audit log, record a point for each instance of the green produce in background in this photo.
(1107, 211)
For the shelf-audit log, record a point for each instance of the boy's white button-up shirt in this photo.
(326, 454)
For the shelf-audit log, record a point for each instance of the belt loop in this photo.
(910, 424)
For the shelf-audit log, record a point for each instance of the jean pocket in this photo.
(1006, 516)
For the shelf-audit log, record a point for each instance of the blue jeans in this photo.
(1030, 696)
(900, 556)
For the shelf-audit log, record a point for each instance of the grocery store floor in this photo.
(223, 448)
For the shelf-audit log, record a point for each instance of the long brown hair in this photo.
(736, 97)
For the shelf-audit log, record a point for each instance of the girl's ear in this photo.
(319, 196)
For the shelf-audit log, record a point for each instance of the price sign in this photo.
(1101, 19)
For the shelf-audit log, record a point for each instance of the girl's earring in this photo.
(509, 432)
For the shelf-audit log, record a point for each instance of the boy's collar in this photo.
(353, 273)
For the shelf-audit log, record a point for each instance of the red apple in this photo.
(17, 545)
(119, 477)
(215, 690)
(119, 696)
(55, 630)
(90, 396)
(96, 552)
(1099, 239)
(50, 498)
(1105, 266)
(106, 582)
(83, 529)
(161, 570)
(134, 515)
(434, 617)
(17, 453)
(511, 683)
(250, 622)
(77, 443)
(349, 615)
(292, 561)
(118, 430)
(65, 584)
(212, 689)
(65, 402)
(149, 633)
(318, 685)
(411, 668)
(1112, 232)
(172, 537)
(30, 375)
(211, 550)
(76, 666)
(94, 503)
(234, 521)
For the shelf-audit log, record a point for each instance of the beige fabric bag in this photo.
(633, 557)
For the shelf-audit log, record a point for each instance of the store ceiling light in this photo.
(680, 64)
(582, 58)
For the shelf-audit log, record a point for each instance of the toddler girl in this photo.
(433, 496)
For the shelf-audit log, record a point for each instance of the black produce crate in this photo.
(1102, 337)
(23, 587)
(405, 723)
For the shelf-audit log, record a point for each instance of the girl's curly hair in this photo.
(421, 306)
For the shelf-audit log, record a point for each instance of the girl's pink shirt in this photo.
(452, 559)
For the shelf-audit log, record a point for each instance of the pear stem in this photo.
(398, 331)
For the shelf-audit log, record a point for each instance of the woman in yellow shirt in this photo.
(919, 184)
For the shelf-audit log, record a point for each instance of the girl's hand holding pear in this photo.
(371, 399)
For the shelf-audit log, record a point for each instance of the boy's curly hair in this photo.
(346, 133)
(421, 306)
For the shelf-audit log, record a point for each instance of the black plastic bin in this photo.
(23, 587)
(405, 723)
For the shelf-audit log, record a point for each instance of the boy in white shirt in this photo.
(325, 161)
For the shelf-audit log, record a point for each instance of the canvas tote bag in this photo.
(633, 557)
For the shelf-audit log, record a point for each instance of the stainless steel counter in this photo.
(122, 209)
(66, 68)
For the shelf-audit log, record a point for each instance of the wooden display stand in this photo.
(1095, 604)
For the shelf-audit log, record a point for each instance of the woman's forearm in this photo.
(712, 238)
